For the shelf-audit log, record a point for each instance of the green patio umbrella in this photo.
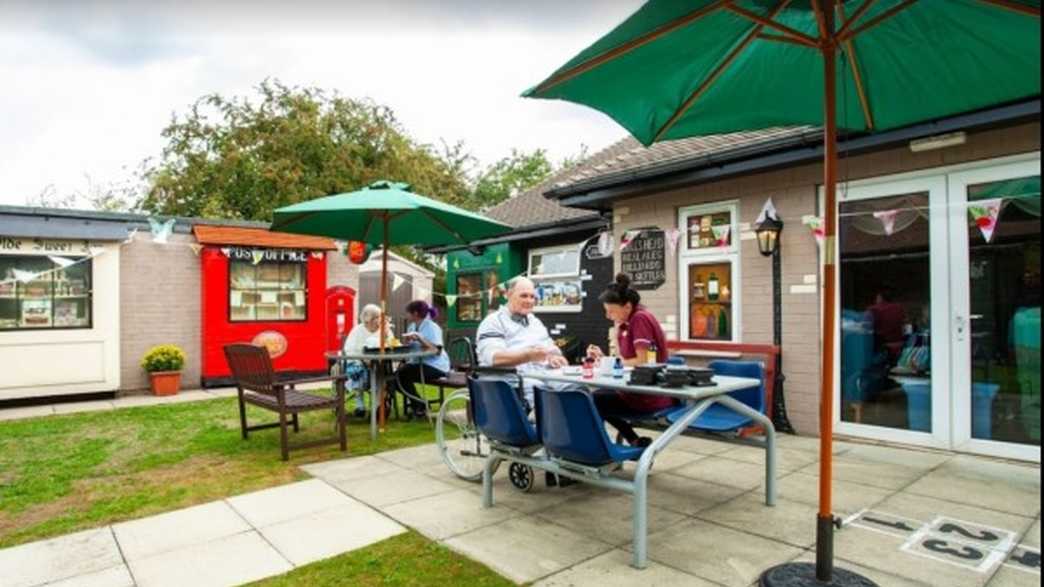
(677, 69)
(385, 213)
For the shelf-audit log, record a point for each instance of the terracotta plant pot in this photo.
(165, 382)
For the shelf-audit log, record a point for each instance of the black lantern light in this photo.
(767, 232)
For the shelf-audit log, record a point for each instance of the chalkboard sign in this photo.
(645, 259)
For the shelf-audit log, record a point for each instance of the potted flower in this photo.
(163, 364)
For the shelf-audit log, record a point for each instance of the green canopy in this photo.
(412, 219)
(681, 68)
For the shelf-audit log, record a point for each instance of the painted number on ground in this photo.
(1024, 558)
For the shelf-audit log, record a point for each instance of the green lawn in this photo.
(407, 559)
(59, 474)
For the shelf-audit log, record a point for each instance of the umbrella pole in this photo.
(384, 307)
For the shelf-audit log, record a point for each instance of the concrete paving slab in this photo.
(223, 391)
(702, 446)
(414, 457)
(286, 502)
(330, 532)
(525, 549)
(882, 578)
(115, 577)
(613, 569)
(232, 560)
(46, 561)
(607, 518)
(927, 509)
(796, 442)
(1032, 536)
(1000, 486)
(725, 472)
(78, 407)
(686, 495)
(26, 412)
(137, 401)
(665, 461)
(879, 475)
(718, 554)
(390, 488)
(540, 497)
(889, 455)
(447, 514)
(787, 459)
(848, 498)
(178, 529)
(790, 522)
(350, 468)
(441, 472)
(1010, 577)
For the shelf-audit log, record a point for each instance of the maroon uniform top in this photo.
(642, 329)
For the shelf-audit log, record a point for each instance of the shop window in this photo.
(709, 273)
(267, 292)
(477, 295)
(555, 272)
(37, 292)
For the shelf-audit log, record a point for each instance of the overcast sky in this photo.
(87, 86)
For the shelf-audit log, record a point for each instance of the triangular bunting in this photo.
(721, 233)
(62, 262)
(767, 211)
(24, 276)
(985, 213)
(627, 237)
(196, 248)
(672, 235)
(397, 281)
(450, 300)
(226, 251)
(161, 230)
(887, 218)
(605, 244)
(815, 224)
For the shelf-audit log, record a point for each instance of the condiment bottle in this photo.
(650, 355)
(588, 368)
(618, 368)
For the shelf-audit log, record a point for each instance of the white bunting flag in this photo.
(62, 262)
(161, 230)
(317, 255)
(196, 248)
(887, 218)
(450, 300)
(97, 251)
(985, 213)
(672, 235)
(226, 251)
(397, 281)
(767, 211)
(257, 256)
(130, 237)
(24, 276)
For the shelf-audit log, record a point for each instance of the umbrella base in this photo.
(804, 575)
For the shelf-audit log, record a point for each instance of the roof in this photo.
(373, 264)
(531, 208)
(260, 237)
(131, 220)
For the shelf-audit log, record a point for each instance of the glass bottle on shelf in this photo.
(713, 291)
(712, 325)
(723, 324)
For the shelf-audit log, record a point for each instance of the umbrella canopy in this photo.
(678, 69)
(412, 219)
(682, 68)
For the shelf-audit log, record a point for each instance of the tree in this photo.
(121, 196)
(509, 177)
(243, 158)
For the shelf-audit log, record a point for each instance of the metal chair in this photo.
(500, 415)
(573, 433)
(258, 384)
(463, 360)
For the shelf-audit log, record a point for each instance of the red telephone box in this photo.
(340, 315)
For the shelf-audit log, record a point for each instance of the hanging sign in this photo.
(44, 246)
(358, 252)
(256, 256)
(645, 259)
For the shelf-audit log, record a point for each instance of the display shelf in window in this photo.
(710, 301)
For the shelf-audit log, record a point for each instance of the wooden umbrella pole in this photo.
(384, 308)
(825, 521)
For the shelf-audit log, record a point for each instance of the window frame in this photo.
(483, 302)
(710, 256)
(230, 289)
(88, 296)
(557, 248)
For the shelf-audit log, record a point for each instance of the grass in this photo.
(59, 474)
(406, 559)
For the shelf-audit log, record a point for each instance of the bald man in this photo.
(513, 337)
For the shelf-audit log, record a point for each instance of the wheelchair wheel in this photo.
(521, 476)
(463, 448)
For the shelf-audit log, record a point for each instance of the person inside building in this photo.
(889, 322)
(637, 332)
(514, 337)
(422, 333)
(363, 334)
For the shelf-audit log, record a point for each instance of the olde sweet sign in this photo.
(644, 258)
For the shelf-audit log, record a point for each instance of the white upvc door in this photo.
(995, 375)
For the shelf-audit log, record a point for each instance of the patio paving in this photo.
(912, 518)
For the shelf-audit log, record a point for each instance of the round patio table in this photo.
(377, 378)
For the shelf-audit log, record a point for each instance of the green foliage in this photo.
(242, 158)
(165, 357)
(510, 176)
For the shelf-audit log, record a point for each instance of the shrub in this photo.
(165, 357)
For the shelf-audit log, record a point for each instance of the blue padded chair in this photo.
(499, 413)
(719, 418)
(572, 430)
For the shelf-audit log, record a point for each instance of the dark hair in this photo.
(619, 292)
(422, 308)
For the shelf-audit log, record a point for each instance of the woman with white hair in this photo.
(365, 334)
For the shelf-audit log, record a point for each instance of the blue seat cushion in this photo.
(716, 418)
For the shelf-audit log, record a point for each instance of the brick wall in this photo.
(160, 304)
(794, 192)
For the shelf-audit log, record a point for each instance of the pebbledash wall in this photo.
(794, 192)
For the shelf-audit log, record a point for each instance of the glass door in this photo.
(893, 299)
(995, 234)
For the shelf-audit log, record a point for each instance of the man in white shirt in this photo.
(513, 337)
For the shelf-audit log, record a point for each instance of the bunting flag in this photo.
(887, 218)
(721, 233)
(767, 211)
(985, 213)
(95, 252)
(161, 230)
(450, 300)
(605, 244)
(628, 237)
(226, 251)
(25, 276)
(257, 256)
(397, 281)
(196, 248)
(421, 293)
(500, 259)
(130, 236)
(815, 224)
(62, 262)
(672, 235)
(317, 255)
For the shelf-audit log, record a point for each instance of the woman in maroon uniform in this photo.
(637, 331)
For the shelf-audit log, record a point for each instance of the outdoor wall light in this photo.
(767, 232)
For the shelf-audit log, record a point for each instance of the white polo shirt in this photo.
(499, 332)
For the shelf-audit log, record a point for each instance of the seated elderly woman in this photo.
(365, 334)
(422, 333)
